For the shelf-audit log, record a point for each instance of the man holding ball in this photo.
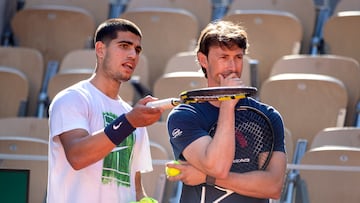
(206, 140)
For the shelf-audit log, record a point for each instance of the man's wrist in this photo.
(118, 130)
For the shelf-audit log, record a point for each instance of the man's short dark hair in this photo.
(107, 30)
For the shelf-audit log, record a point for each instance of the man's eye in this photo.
(138, 50)
(124, 46)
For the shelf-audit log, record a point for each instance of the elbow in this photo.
(75, 162)
(219, 172)
(276, 191)
(76, 165)
(275, 195)
(218, 169)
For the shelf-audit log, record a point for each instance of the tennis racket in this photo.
(254, 137)
(205, 94)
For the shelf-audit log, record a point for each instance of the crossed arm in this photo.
(260, 184)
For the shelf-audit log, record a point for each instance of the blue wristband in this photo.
(118, 130)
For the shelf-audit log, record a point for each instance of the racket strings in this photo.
(258, 135)
(253, 133)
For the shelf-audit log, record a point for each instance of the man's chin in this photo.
(124, 79)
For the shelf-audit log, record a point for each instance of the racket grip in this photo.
(164, 103)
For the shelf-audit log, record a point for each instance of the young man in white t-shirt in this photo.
(98, 144)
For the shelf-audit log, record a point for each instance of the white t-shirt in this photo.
(110, 180)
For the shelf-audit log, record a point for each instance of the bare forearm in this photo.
(214, 156)
(220, 152)
(85, 149)
(255, 184)
(261, 184)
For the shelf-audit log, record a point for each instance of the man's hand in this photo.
(189, 175)
(141, 115)
(230, 81)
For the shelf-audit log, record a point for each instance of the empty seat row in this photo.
(24, 146)
(30, 63)
(157, 62)
(267, 31)
(330, 166)
(313, 93)
(53, 30)
(346, 69)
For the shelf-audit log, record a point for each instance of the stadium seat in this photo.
(345, 26)
(166, 32)
(172, 84)
(268, 35)
(308, 103)
(203, 17)
(182, 61)
(78, 59)
(343, 68)
(53, 30)
(98, 9)
(65, 79)
(337, 136)
(158, 133)
(304, 10)
(347, 5)
(330, 174)
(154, 182)
(14, 92)
(24, 145)
(31, 63)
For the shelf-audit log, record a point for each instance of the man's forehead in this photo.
(223, 48)
(128, 36)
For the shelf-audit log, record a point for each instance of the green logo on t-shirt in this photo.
(116, 166)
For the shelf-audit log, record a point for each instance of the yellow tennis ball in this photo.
(148, 200)
(172, 171)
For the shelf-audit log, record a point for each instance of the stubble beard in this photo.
(116, 75)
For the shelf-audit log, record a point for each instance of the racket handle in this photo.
(164, 103)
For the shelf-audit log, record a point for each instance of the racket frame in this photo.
(205, 94)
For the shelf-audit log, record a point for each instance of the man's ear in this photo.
(202, 59)
(99, 49)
